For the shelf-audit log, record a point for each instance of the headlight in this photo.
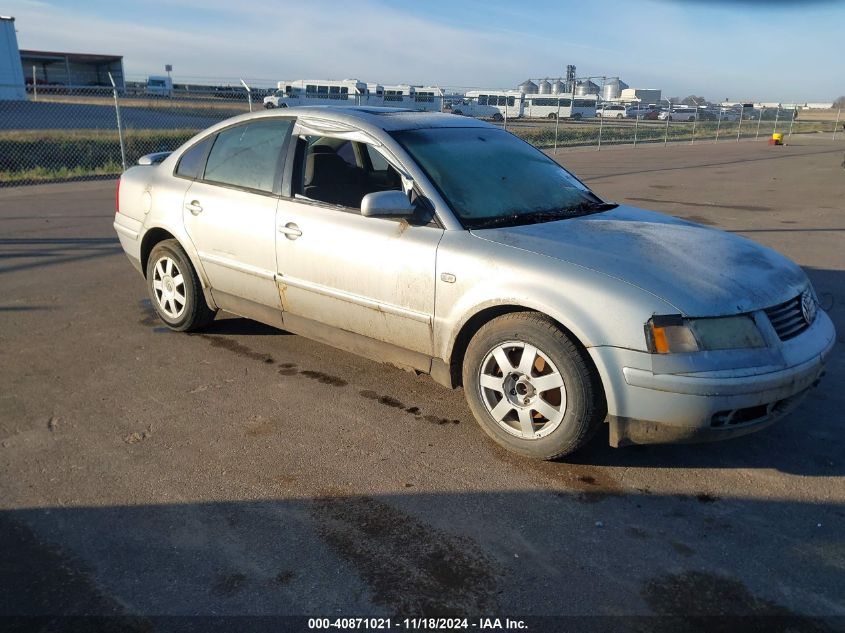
(673, 334)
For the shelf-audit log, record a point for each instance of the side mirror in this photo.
(387, 204)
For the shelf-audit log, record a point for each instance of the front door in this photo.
(369, 276)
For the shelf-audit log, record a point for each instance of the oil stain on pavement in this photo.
(409, 566)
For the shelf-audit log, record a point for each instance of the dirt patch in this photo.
(228, 584)
(708, 205)
(325, 379)
(698, 219)
(702, 601)
(590, 483)
(682, 548)
(233, 346)
(410, 567)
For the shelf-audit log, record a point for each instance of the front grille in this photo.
(788, 319)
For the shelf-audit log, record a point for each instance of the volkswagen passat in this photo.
(448, 246)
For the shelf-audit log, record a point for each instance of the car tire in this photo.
(565, 417)
(552, 116)
(168, 270)
(457, 112)
(619, 116)
(269, 106)
(498, 117)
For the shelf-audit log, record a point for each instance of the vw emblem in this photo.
(808, 307)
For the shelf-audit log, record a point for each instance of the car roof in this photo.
(387, 119)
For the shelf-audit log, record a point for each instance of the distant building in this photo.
(71, 69)
(11, 78)
(640, 95)
(818, 106)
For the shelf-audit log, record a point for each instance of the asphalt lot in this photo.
(246, 471)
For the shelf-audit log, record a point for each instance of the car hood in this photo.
(699, 270)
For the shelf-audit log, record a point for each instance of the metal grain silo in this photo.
(558, 87)
(583, 88)
(527, 87)
(545, 87)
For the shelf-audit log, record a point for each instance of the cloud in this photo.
(715, 48)
(268, 41)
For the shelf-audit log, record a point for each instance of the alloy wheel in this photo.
(522, 390)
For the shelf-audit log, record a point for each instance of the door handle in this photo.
(194, 207)
(290, 231)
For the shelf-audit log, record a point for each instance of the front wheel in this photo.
(531, 387)
(619, 116)
(269, 106)
(175, 289)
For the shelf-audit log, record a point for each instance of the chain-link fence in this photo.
(59, 133)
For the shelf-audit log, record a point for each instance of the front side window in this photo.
(248, 155)
(341, 172)
(491, 178)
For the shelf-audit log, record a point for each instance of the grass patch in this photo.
(32, 156)
(36, 155)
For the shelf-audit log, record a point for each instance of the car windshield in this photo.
(491, 178)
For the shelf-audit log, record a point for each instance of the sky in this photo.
(763, 50)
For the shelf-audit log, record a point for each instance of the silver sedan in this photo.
(448, 246)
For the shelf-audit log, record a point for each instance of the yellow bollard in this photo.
(777, 139)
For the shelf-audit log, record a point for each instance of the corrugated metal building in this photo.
(71, 69)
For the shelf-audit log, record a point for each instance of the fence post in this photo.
(694, 121)
(557, 122)
(636, 123)
(34, 85)
(719, 124)
(777, 114)
(119, 124)
(739, 127)
(601, 125)
(759, 120)
(248, 94)
(505, 122)
(666, 132)
(836, 125)
(791, 122)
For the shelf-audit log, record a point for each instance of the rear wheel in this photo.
(620, 115)
(552, 115)
(531, 387)
(175, 289)
(498, 116)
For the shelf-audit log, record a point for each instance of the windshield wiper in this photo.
(515, 219)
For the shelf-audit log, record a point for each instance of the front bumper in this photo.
(645, 407)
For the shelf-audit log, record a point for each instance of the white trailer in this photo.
(11, 73)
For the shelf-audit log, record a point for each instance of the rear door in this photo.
(230, 212)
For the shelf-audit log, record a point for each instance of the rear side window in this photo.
(248, 155)
(192, 162)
